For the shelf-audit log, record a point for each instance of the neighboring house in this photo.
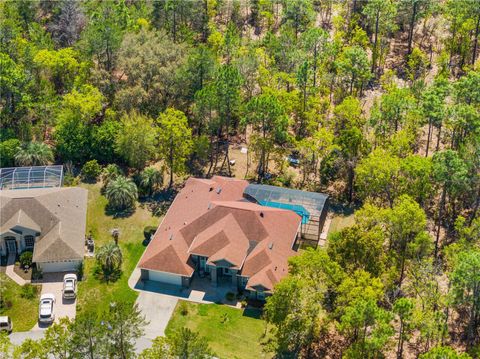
(48, 221)
(216, 228)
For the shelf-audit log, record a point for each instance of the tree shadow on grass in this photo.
(255, 313)
(159, 203)
(106, 276)
(116, 213)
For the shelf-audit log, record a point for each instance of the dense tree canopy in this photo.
(376, 103)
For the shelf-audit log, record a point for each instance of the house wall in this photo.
(19, 237)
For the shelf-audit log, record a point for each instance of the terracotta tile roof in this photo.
(211, 218)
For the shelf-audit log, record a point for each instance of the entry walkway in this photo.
(10, 272)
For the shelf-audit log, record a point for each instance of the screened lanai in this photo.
(311, 206)
(31, 177)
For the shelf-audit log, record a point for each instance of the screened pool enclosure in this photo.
(311, 206)
(31, 177)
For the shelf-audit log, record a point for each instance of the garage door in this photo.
(59, 266)
(165, 277)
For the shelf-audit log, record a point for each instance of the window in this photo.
(29, 241)
(261, 295)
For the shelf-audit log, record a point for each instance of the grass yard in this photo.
(230, 333)
(94, 293)
(340, 221)
(22, 311)
(343, 216)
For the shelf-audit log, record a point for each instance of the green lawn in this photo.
(22, 311)
(230, 333)
(340, 221)
(94, 293)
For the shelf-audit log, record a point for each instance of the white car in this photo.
(6, 324)
(45, 312)
(69, 286)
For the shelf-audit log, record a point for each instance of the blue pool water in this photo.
(300, 210)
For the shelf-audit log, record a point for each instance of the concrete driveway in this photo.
(157, 309)
(53, 283)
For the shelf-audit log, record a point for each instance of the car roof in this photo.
(70, 276)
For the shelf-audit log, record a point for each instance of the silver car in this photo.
(45, 311)
(69, 286)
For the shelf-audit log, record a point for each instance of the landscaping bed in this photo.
(231, 332)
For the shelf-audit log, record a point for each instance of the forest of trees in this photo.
(378, 99)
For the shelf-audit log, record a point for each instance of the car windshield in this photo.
(3, 324)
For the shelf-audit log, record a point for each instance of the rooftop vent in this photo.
(171, 236)
(210, 205)
(262, 215)
(270, 245)
(219, 189)
(210, 189)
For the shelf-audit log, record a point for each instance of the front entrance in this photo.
(11, 246)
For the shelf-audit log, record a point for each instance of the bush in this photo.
(148, 231)
(5, 303)
(80, 271)
(70, 180)
(8, 150)
(36, 273)
(91, 170)
(183, 307)
(26, 259)
(230, 296)
(29, 291)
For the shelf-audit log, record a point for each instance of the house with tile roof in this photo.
(213, 229)
(50, 222)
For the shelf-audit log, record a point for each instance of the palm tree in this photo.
(110, 257)
(151, 179)
(111, 172)
(121, 193)
(33, 154)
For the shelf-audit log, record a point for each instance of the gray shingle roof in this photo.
(59, 213)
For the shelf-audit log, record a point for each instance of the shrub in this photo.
(230, 296)
(80, 271)
(8, 150)
(36, 273)
(148, 231)
(244, 303)
(26, 259)
(91, 170)
(29, 291)
(183, 307)
(70, 180)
